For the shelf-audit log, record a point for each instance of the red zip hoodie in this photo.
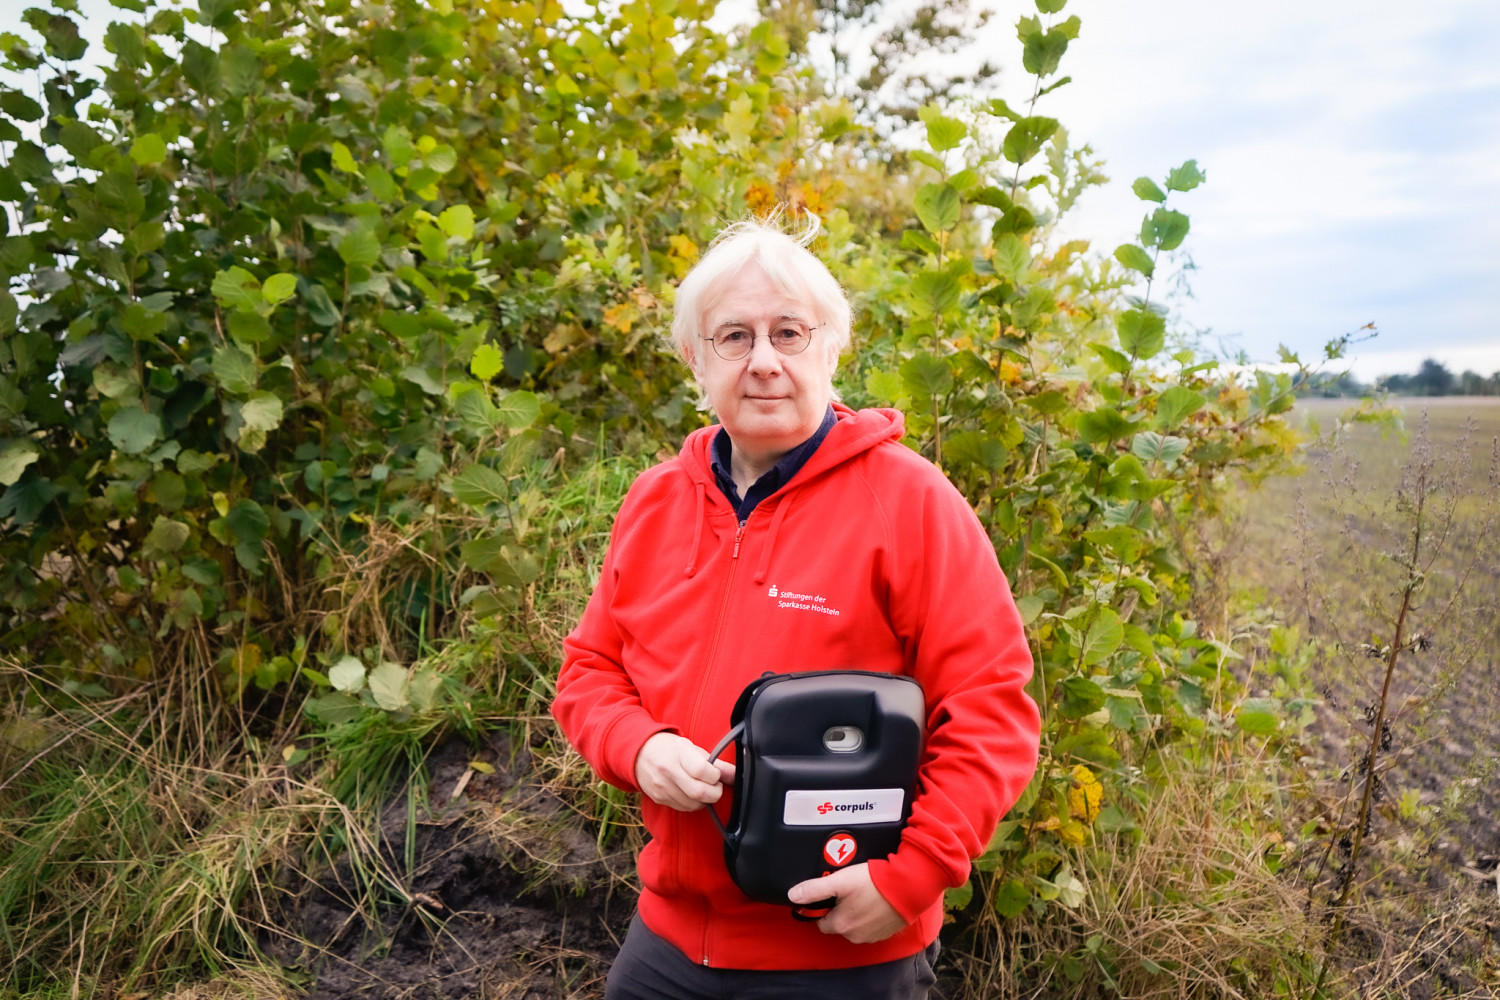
(866, 559)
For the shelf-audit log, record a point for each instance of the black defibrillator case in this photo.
(826, 772)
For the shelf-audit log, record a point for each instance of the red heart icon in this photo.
(838, 849)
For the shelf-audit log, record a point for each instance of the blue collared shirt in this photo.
(775, 478)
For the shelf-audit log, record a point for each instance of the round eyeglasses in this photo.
(735, 343)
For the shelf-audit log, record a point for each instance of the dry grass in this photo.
(1184, 903)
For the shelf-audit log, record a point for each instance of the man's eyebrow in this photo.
(741, 322)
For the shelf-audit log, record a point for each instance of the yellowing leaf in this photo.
(483, 767)
(1073, 832)
(1085, 795)
(622, 316)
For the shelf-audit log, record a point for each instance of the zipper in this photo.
(713, 654)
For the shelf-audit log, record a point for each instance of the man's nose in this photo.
(764, 359)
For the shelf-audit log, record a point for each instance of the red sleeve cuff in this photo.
(622, 745)
(911, 881)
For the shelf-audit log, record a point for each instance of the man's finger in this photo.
(815, 889)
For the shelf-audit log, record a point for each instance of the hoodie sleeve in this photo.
(951, 604)
(597, 705)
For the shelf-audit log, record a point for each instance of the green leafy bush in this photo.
(324, 330)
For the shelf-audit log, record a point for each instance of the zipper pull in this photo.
(739, 533)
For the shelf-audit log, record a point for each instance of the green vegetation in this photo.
(332, 337)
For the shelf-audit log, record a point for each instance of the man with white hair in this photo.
(791, 492)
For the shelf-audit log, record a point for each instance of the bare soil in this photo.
(507, 896)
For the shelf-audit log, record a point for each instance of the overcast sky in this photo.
(1352, 149)
(1353, 160)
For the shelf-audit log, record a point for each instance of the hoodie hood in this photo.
(853, 433)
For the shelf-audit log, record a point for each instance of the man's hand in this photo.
(674, 771)
(861, 914)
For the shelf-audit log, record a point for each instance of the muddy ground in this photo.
(508, 896)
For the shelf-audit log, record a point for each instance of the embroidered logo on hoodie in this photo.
(802, 602)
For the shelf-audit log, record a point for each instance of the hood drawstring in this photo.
(765, 553)
(692, 567)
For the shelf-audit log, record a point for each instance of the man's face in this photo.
(767, 401)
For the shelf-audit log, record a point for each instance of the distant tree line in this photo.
(1432, 379)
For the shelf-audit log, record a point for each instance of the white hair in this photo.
(785, 259)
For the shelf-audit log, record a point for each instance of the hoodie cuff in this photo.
(911, 881)
(623, 745)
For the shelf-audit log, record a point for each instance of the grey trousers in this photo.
(648, 968)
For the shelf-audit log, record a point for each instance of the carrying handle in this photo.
(809, 912)
(713, 755)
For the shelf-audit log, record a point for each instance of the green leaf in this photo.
(922, 156)
(344, 160)
(1135, 258)
(486, 362)
(958, 897)
(1259, 716)
(1026, 138)
(1167, 229)
(334, 709)
(1012, 258)
(359, 248)
(1030, 606)
(934, 292)
(347, 675)
(148, 149)
(279, 287)
(926, 375)
(425, 690)
(1011, 898)
(886, 387)
(1175, 404)
(115, 382)
(1103, 636)
(1142, 333)
(236, 288)
(1080, 697)
(18, 107)
(14, 458)
(1125, 542)
(519, 409)
(248, 522)
(1149, 446)
(1185, 177)
(239, 70)
(140, 323)
(262, 412)
(937, 206)
(1103, 425)
(166, 537)
(915, 239)
(1050, 6)
(133, 430)
(1071, 892)
(235, 370)
(479, 485)
(422, 378)
(1146, 190)
(1043, 51)
(457, 221)
(943, 133)
(1113, 359)
(388, 685)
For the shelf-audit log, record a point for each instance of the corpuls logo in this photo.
(772, 592)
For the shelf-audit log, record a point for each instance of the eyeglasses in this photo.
(787, 337)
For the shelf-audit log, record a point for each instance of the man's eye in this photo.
(731, 336)
(788, 334)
